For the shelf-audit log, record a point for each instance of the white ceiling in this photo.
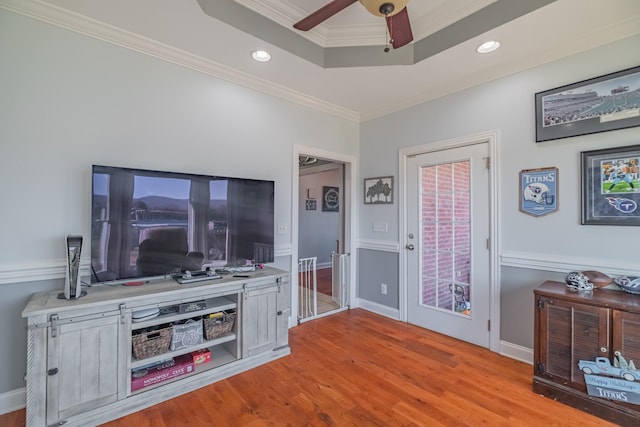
(179, 31)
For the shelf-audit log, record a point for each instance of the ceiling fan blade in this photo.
(400, 28)
(322, 14)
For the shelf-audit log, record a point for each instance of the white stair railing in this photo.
(307, 288)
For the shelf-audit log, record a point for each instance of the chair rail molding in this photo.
(564, 264)
(379, 245)
(54, 269)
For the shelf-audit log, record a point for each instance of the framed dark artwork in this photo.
(601, 104)
(330, 199)
(611, 186)
(378, 190)
(539, 191)
(310, 205)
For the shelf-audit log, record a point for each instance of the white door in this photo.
(448, 259)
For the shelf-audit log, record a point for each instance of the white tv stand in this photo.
(79, 352)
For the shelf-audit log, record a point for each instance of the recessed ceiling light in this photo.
(261, 55)
(487, 47)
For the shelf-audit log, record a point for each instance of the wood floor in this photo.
(324, 280)
(356, 368)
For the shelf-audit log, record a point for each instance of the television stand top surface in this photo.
(196, 276)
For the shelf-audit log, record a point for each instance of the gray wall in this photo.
(69, 101)
(375, 268)
(507, 105)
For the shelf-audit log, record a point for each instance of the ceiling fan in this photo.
(394, 11)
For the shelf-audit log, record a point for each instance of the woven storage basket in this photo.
(152, 343)
(219, 326)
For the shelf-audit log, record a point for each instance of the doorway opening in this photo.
(323, 267)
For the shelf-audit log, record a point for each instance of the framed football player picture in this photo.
(611, 186)
(539, 191)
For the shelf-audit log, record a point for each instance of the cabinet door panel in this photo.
(572, 332)
(86, 359)
(283, 313)
(626, 335)
(259, 320)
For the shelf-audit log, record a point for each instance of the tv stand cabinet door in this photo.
(259, 319)
(82, 365)
(284, 311)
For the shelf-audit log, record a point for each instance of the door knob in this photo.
(410, 247)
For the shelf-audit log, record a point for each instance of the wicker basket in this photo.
(216, 327)
(151, 343)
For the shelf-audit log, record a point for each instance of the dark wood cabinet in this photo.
(571, 326)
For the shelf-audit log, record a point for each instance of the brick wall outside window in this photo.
(446, 232)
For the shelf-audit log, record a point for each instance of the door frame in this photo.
(350, 214)
(490, 137)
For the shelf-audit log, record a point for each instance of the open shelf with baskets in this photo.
(176, 343)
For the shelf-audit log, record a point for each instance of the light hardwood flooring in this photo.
(356, 368)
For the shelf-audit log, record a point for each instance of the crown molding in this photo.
(75, 22)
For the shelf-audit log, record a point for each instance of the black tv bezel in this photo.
(98, 168)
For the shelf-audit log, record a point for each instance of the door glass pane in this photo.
(446, 236)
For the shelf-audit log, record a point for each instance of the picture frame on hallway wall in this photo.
(378, 190)
(330, 199)
(600, 104)
(611, 186)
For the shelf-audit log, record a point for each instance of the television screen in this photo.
(150, 223)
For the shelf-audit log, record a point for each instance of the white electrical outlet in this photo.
(282, 229)
(383, 288)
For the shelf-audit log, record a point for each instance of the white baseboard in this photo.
(380, 309)
(13, 400)
(517, 352)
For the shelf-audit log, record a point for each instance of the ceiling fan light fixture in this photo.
(488, 47)
(261, 56)
(377, 7)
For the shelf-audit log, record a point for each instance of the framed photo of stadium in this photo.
(601, 104)
(611, 186)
